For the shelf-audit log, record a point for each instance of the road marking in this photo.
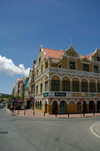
(3, 132)
(93, 131)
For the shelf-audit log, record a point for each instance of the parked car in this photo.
(1, 105)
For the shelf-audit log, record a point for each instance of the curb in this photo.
(94, 131)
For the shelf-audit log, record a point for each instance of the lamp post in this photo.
(83, 104)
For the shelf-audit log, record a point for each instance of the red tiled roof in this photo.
(82, 56)
(58, 54)
(53, 53)
(89, 56)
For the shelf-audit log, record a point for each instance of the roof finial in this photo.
(41, 46)
(71, 40)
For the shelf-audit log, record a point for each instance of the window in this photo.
(41, 88)
(96, 69)
(39, 60)
(85, 67)
(40, 105)
(37, 72)
(75, 86)
(84, 87)
(42, 68)
(98, 87)
(59, 65)
(66, 85)
(92, 87)
(72, 65)
(98, 59)
(55, 85)
(36, 89)
(72, 53)
(46, 86)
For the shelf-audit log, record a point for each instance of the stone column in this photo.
(61, 85)
(49, 85)
(88, 107)
(58, 108)
(95, 107)
(70, 86)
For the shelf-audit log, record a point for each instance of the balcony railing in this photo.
(75, 72)
(68, 71)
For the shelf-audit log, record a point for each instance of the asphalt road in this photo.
(39, 134)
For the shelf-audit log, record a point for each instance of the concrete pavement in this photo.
(18, 133)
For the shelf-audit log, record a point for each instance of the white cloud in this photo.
(8, 67)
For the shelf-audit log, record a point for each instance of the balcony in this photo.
(68, 71)
(73, 72)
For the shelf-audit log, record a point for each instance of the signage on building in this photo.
(93, 94)
(45, 94)
(60, 94)
(15, 100)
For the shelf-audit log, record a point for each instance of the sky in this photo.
(55, 24)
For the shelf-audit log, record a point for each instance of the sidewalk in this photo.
(30, 113)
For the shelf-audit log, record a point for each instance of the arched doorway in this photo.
(45, 106)
(72, 108)
(98, 106)
(54, 107)
(91, 107)
(40, 105)
(84, 107)
(63, 107)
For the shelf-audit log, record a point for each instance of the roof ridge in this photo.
(53, 49)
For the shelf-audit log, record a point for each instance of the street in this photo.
(39, 134)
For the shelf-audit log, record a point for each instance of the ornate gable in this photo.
(96, 55)
(71, 52)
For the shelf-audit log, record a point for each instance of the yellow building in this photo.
(67, 82)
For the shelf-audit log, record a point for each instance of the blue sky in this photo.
(27, 24)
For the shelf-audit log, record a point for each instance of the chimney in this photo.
(34, 62)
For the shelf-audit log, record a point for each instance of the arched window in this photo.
(66, 85)
(84, 87)
(92, 87)
(98, 87)
(75, 86)
(55, 83)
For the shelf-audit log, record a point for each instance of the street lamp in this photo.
(83, 104)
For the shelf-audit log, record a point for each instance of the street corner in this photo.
(95, 129)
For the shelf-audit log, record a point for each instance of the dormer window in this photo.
(85, 67)
(96, 69)
(98, 59)
(71, 65)
(59, 65)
